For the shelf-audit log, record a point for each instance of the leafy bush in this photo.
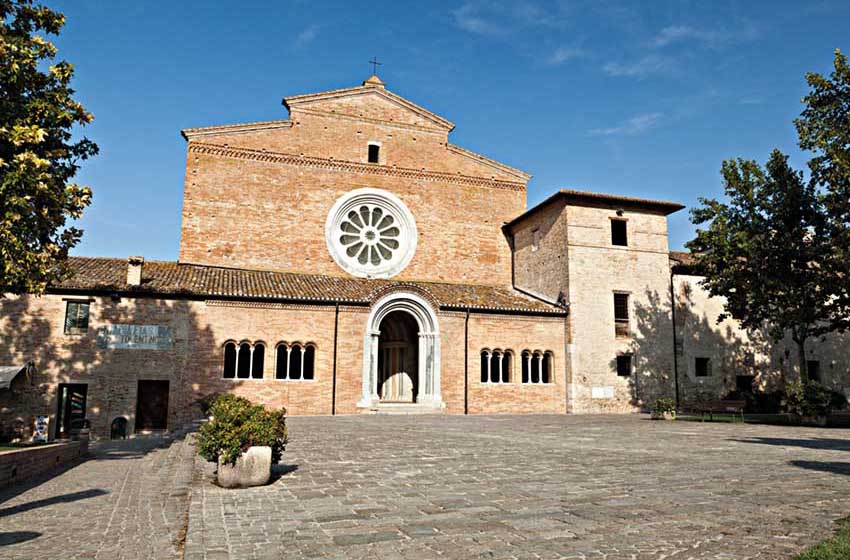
(237, 425)
(664, 405)
(811, 399)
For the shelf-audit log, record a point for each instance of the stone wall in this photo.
(733, 351)
(20, 464)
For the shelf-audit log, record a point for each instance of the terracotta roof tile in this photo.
(174, 279)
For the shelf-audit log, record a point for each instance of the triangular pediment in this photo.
(369, 102)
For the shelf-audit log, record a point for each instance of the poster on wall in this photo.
(42, 425)
(134, 337)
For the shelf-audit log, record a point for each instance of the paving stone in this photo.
(509, 487)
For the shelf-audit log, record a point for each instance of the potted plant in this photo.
(663, 409)
(810, 403)
(244, 439)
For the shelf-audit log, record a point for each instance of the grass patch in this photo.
(836, 547)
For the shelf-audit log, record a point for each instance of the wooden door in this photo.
(152, 405)
(396, 372)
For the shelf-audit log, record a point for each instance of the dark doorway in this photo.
(152, 405)
(72, 406)
(398, 366)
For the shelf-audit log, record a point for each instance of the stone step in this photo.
(405, 408)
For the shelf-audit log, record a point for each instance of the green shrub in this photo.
(811, 399)
(664, 405)
(237, 425)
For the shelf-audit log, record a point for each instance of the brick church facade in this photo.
(350, 259)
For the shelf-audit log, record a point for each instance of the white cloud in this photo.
(635, 125)
(710, 37)
(469, 18)
(651, 64)
(563, 54)
(307, 35)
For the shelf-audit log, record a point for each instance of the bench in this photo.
(734, 407)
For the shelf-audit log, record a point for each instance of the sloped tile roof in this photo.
(176, 279)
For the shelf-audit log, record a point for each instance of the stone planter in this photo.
(253, 468)
(663, 415)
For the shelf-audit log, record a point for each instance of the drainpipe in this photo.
(336, 329)
(466, 363)
(675, 353)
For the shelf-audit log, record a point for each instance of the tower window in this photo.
(619, 235)
(702, 367)
(624, 365)
(374, 153)
(621, 314)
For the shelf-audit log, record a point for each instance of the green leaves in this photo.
(38, 154)
(237, 425)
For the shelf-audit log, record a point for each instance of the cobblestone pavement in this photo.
(129, 500)
(600, 487)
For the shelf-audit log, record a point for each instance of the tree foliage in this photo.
(824, 129)
(762, 248)
(38, 153)
(778, 249)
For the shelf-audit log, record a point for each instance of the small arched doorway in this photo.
(397, 358)
(401, 323)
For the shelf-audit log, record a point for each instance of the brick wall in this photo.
(247, 210)
(21, 464)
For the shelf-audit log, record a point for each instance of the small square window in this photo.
(374, 153)
(624, 365)
(702, 367)
(619, 234)
(813, 367)
(535, 239)
(76, 317)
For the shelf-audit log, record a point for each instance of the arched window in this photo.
(309, 361)
(229, 360)
(296, 355)
(546, 373)
(496, 366)
(536, 366)
(526, 366)
(258, 360)
(243, 361)
(507, 366)
(295, 361)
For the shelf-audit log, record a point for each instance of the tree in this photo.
(762, 251)
(824, 129)
(38, 154)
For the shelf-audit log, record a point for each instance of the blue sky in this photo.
(642, 99)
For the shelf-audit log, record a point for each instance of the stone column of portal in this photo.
(422, 373)
(429, 367)
(369, 389)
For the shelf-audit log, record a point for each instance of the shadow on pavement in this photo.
(835, 467)
(811, 443)
(64, 498)
(15, 537)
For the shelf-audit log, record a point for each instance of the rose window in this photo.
(371, 233)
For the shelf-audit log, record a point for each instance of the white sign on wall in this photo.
(602, 392)
(134, 337)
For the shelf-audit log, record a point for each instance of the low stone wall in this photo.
(21, 464)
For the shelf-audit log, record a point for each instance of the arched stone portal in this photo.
(401, 316)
